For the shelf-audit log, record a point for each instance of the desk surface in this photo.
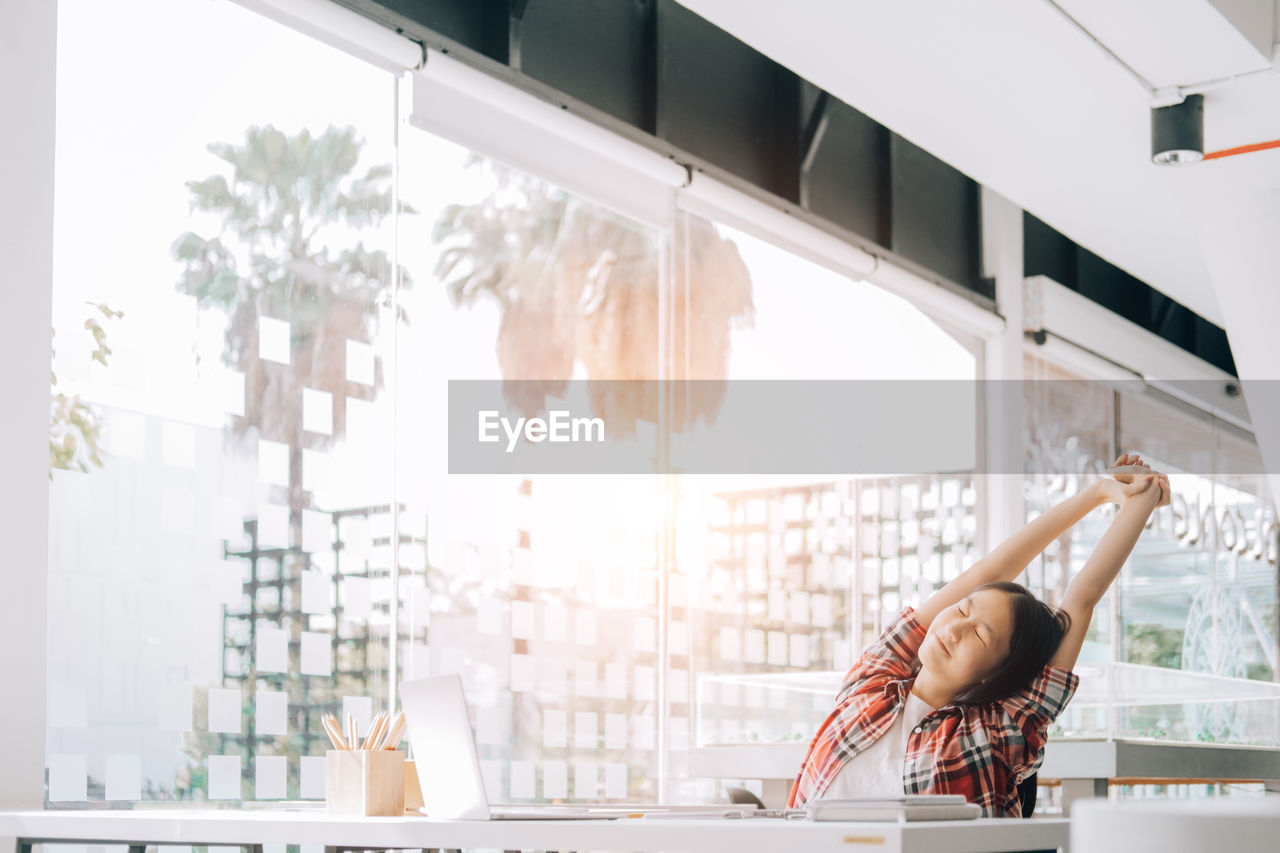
(1064, 758)
(1177, 826)
(1108, 758)
(691, 835)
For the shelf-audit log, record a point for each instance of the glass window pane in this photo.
(788, 577)
(1198, 593)
(219, 501)
(1071, 433)
(540, 591)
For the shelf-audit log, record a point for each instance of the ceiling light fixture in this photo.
(1177, 132)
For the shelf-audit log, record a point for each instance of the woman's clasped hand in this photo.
(1135, 479)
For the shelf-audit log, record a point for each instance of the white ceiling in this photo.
(1022, 100)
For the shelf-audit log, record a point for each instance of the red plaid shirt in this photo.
(981, 751)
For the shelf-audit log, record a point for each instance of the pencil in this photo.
(331, 729)
(375, 731)
(392, 740)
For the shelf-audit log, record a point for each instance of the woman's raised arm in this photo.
(1087, 588)
(1013, 555)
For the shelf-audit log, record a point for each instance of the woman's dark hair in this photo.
(1038, 629)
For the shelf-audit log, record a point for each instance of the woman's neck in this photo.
(927, 690)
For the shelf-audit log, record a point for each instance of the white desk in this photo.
(1243, 824)
(1084, 766)
(255, 828)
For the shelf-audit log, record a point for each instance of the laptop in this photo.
(444, 749)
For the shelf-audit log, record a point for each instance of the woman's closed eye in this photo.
(977, 633)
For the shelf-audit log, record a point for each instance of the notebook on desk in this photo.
(906, 808)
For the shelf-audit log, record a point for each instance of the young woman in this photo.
(957, 697)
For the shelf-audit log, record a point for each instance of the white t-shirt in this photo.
(877, 770)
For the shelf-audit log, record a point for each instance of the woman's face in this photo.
(970, 640)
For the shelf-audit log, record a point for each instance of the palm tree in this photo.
(578, 285)
(288, 248)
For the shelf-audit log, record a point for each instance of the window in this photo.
(253, 520)
(784, 580)
(1198, 593)
(220, 526)
(541, 592)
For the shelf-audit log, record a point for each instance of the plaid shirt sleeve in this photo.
(1032, 710)
(893, 655)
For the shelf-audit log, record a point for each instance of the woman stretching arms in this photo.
(957, 697)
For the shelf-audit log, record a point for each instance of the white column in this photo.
(1002, 368)
(1239, 237)
(28, 43)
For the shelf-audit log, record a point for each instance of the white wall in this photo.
(28, 40)
(1238, 235)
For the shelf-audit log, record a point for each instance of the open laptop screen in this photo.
(444, 748)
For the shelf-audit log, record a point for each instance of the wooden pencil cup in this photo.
(412, 790)
(364, 782)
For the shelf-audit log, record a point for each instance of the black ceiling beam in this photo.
(1049, 253)
(656, 72)
(701, 95)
